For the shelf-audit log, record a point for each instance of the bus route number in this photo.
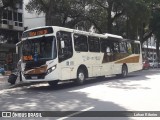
(26, 58)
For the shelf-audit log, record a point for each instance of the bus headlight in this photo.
(51, 69)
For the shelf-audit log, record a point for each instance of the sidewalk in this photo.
(5, 85)
(4, 82)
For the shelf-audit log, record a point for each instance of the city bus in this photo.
(54, 54)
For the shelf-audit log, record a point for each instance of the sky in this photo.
(32, 20)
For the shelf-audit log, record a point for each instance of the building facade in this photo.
(149, 48)
(11, 28)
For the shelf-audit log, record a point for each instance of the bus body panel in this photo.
(97, 63)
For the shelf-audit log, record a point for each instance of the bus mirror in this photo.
(18, 45)
(16, 49)
(62, 44)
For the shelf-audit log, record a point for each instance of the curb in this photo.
(20, 84)
(4, 84)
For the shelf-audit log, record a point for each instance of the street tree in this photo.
(128, 18)
(59, 12)
(155, 27)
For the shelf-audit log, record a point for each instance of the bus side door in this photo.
(65, 52)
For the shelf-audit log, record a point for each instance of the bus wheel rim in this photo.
(81, 76)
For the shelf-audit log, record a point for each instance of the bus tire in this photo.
(124, 71)
(81, 76)
(53, 83)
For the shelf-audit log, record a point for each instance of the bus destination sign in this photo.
(37, 32)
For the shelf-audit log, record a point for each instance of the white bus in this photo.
(55, 54)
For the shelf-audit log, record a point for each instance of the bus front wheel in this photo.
(80, 77)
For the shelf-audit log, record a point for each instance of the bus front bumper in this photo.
(39, 78)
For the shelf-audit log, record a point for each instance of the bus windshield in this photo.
(39, 48)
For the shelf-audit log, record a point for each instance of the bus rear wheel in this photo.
(124, 71)
(81, 76)
(53, 83)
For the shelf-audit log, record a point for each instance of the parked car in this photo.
(146, 64)
(2, 71)
(153, 63)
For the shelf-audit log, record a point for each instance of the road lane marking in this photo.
(76, 113)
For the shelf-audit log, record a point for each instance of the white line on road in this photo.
(76, 113)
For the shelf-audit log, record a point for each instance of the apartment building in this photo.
(149, 48)
(11, 28)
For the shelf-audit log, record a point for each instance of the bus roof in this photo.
(105, 35)
(113, 36)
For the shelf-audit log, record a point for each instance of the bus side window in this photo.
(103, 45)
(66, 51)
(94, 45)
(123, 47)
(116, 47)
(80, 43)
(129, 48)
(136, 48)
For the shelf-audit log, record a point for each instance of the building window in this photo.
(4, 21)
(21, 24)
(10, 15)
(16, 23)
(15, 16)
(20, 17)
(5, 16)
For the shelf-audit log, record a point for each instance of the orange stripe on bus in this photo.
(133, 59)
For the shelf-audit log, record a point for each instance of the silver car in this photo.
(153, 63)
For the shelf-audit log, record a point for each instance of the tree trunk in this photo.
(50, 14)
(109, 24)
(110, 20)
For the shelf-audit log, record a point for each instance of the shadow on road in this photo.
(67, 97)
(114, 82)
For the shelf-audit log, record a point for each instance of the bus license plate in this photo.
(34, 77)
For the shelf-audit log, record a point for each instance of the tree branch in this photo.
(94, 23)
(146, 36)
(44, 5)
(118, 15)
(99, 3)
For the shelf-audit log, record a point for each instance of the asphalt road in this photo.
(138, 92)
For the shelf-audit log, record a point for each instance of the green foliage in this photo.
(38, 6)
(129, 18)
(10, 3)
(137, 13)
